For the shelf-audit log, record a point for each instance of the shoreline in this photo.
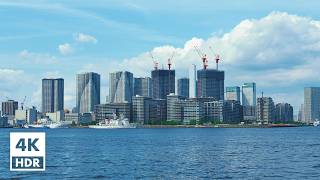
(201, 126)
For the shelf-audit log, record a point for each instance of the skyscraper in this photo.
(9, 107)
(143, 86)
(283, 112)
(210, 83)
(233, 93)
(249, 102)
(120, 87)
(311, 104)
(52, 95)
(88, 91)
(183, 87)
(163, 83)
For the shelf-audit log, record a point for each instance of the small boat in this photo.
(316, 123)
(114, 123)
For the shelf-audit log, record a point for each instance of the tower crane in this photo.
(203, 57)
(217, 57)
(155, 63)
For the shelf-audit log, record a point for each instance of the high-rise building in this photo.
(210, 83)
(233, 93)
(52, 95)
(143, 86)
(265, 110)
(283, 112)
(163, 83)
(88, 91)
(120, 87)
(301, 113)
(249, 102)
(183, 87)
(311, 104)
(9, 107)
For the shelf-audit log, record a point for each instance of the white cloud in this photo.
(279, 50)
(85, 38)
(38, 58)
(65, 49)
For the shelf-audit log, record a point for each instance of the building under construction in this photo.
(163, 83)
(210, 83)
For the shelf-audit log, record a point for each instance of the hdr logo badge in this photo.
(27, 151)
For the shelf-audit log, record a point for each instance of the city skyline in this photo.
(281, 69)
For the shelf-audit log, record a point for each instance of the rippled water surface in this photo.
(272, 153)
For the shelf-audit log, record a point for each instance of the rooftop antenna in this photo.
(217, 58)
(23, 101)
(203, 57)
(155, 63)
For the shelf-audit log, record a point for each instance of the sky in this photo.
(275, 44)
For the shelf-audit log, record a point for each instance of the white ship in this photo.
(34, 126)
(114, 123)
(54, 125)
(316, 123)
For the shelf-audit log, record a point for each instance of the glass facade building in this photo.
(120, 87)
(88, 91)
(52, 95)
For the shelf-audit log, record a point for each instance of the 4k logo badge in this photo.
(27, 151)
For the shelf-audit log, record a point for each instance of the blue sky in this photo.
(256, 40)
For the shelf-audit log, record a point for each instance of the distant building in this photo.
(106, 111)
(210, 83)
(186, 110)
(72, 117)
(249, 102)
(233, 93)
(183, 87)
(3, 121)
(78, 118)
(88, 91)
(283, 113)
(57, 116)
(265, 110)
(52, 95)
(301, 113)
(9, 107)
(311, 104)
(143, 86)
(163, 83)
(121, 87)
(174, 108)
(225, 111)
(193, 110)
(24, 116)
(146, 110)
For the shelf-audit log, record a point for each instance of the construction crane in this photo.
(170, 61)
(203, 57)
(23, 101)
(217, 57)
(155, 63)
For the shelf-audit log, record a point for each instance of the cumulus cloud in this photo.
(85, 38)
(280, 50)
(65, 49)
